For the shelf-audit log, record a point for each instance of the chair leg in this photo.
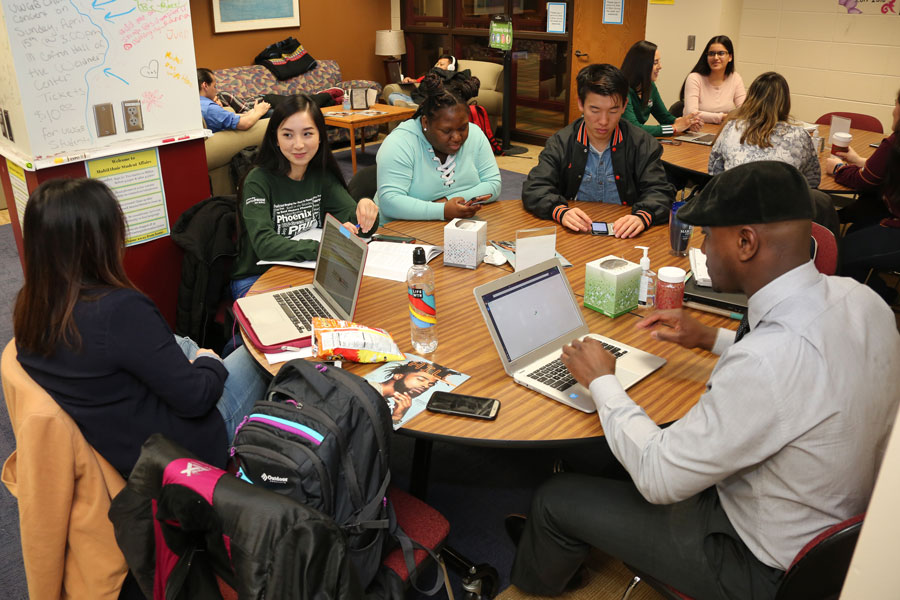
(479, 581)
(633, 584)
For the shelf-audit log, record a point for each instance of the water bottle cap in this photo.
(419, 256)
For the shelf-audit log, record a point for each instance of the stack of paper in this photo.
(389, 260)
(698, 266)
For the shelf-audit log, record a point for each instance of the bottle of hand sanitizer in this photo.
(647, 293)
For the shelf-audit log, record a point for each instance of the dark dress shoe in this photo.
(515, 526)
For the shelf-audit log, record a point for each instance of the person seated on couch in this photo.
(294, 183)
(447, 62)
(600, 158)
(216, 117)
(432, 166)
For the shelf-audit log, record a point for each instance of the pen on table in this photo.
(292, 349)
(713, 309)
(874, 145)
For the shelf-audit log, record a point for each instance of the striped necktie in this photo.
(742, 330)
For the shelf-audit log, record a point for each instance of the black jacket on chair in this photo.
(263, 544)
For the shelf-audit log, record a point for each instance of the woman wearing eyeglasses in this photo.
(641, 68)
(713, 87)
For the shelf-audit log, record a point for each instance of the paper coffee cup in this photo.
(840, 142)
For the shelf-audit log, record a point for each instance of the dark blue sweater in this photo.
(130, 379)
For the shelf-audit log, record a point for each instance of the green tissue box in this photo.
(611, 285)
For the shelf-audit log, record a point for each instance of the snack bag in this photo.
(333, 339)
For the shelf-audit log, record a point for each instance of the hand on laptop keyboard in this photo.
(589, 359)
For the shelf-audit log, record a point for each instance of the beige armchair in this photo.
(490, 94)
(221, 148)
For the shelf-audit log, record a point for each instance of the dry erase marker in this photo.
(874, 145)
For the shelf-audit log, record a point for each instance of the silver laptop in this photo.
(706, 139)
(531, 315)
(284, 315)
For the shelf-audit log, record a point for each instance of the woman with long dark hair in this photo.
(762, 129)
(434, 165)
(713, 87)
(873, 241)
(101, 348)
(296, 181)
(641, 68)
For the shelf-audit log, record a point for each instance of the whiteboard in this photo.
(85, 78)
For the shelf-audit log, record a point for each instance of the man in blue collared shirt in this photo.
(216, 117)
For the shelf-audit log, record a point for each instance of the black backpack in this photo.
(322, 437)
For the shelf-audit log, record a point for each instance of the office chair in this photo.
(677, 108)
(817, 572)
(857, 121)
(363, 184)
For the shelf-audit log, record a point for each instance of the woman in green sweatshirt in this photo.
(295, 183)
(641, 68)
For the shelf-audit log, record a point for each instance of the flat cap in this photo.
(758, 192)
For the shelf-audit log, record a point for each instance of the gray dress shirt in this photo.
(794, 420)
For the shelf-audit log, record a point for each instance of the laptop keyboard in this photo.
(301, 306)
(556, 375)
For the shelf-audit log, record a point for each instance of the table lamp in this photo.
(391, 44)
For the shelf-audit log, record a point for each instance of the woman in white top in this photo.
(761, 129)
(713, 88)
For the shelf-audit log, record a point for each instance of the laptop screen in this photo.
(339, 263)
(532, 312)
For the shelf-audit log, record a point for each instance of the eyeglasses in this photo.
(715, 53)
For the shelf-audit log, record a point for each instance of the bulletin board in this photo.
(81, 79)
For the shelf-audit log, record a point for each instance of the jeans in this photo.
(393, 98)
(240, 287)
(245, 385)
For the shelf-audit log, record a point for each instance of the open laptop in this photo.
(531, 314)
(285, 315)
(706, 139)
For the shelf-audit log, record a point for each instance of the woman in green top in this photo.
(641, 68)
(295, 182)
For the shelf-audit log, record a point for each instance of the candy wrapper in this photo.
(333, 339)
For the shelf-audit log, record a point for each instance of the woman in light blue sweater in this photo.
(437, 165)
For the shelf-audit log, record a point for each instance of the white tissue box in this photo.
(464, 243)
(611, 285)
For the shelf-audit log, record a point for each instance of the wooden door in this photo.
(595, 42)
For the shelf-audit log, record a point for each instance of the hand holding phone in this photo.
(463, 405)
(600, 228)
(478, 200)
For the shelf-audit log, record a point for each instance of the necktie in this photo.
(742, 330)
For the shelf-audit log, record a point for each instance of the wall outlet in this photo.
(105, 119)
(131, 113)
(692, 39)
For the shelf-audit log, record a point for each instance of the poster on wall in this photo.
(556, 17)
(613, 12)
(869, 7)
(240, 15)
(19, 189)
(136, 180)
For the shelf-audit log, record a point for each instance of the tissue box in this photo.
(464, 243)
(611, 285)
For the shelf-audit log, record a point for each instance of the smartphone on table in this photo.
(400, 239)
(462, 405)
(600, 228)
(478, 200)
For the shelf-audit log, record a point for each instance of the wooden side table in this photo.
(352, 120)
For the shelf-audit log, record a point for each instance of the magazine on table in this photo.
(407, 385)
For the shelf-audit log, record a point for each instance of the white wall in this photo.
(833, 61)
(669, 25)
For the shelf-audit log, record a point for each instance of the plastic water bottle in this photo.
(422, 309)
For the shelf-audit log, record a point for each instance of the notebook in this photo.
(531, 314)
(283, 316)
(706, 139)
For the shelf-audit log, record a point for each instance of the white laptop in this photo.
(284, 315)
(531, 315)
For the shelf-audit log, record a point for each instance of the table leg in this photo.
(353, 146)
(418, 484)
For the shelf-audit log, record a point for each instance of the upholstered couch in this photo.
(253, 80)
(490, 93)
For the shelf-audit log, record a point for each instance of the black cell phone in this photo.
(400, 239)
(599, 228)
(463, 405)
(478, 200)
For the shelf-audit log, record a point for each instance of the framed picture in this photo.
(358, 98)
(238, 15)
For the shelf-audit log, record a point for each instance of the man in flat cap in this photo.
(785, 442)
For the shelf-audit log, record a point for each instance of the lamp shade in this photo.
(389, 42)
